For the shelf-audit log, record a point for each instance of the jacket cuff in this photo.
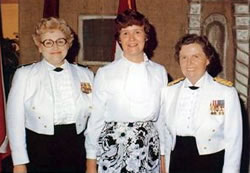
(19, 157)
(91, 154)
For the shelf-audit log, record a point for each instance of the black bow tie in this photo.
(58, 69)
(193, 87)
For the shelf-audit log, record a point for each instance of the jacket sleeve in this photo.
(165, 137)
(232, 133)
(160, 123)
(15, 118)
(96, 120)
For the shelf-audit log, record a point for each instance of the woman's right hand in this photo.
(91, 166)
(20, 169)
(163, 167)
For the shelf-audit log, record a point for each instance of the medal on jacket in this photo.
(86, 87)
(217, 107)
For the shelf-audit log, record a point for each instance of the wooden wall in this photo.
(169, 17)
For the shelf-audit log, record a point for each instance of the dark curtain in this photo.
(51, 8)
(126, 4)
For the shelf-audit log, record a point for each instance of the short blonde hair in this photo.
(52, 23)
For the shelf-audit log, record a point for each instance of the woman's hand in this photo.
(91, 166)
(163, 168)
(20, 169)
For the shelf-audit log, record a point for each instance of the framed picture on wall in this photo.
(96, 37)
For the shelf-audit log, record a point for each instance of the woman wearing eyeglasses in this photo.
(48, 106)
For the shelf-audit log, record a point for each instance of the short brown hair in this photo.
(214, 66)
(128, 18)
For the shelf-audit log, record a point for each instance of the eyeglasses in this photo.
(48, 43)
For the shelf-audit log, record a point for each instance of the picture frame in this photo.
(96, 38)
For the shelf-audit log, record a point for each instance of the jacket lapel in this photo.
(42, 74)
(75, 81)
(173, 109)
(203, 102)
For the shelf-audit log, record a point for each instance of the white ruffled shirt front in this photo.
(65, 111)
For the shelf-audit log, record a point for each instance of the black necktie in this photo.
(193, 87)
(58, 69)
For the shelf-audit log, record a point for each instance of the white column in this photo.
(194, 26)
(242, 61)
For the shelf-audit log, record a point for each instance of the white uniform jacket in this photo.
(30, 105)
(214, 131)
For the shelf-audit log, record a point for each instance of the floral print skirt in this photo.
(126, 147)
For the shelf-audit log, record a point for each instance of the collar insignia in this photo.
(86, 87)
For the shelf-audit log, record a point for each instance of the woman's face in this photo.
(132, 39)
(193, 62)
(55, 51)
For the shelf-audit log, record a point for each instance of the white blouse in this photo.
(124, 92)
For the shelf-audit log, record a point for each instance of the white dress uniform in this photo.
(214, 120)
(32, 104)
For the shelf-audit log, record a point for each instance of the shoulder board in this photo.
(223, 81)
(176, 81)
(24, 65)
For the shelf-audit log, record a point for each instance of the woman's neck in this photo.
(135, 59)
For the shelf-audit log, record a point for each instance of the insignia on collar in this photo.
(223, 81)
(176, 81)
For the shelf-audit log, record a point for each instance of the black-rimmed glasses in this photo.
(48, 43)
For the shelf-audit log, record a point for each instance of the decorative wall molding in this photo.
(208, 28)
(241, 8)
(242, 61)
(194, 17)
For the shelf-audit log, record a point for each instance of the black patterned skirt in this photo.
(129, 147)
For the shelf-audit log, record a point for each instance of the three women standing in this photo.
(48, 107)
